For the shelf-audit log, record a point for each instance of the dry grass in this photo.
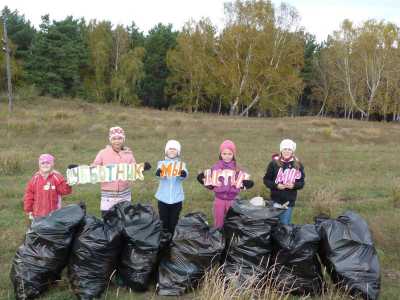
(396, 194)
(62, 115)
(10, 164)
(325, 201)
(215, 286)
(281, 128)
(326, 132)
(372, 132)
(331, 291)
(320, 123)
(22, 126)
(62, 127)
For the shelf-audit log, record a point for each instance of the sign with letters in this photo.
(94, 174)
(212, 177)
(172, 169)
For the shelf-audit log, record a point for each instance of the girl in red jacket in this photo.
(44, 191)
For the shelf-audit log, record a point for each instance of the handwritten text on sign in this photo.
(236, 178)
(108, 173)
(172, 169)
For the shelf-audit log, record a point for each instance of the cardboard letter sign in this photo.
(172, 169)
(212, 177)
(108, 173)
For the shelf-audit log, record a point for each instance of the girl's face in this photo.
(287, 153)
(45, 167)
(172, 153)
(227, 155)
(117, 143)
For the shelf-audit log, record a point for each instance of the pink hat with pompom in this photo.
(116, 132)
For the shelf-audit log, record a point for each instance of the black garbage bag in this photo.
(141, 233)
(94, 257)
(165, 241)
(44, 253)
(248, 247)
(296, 266)
(195, 248)
(348, 252)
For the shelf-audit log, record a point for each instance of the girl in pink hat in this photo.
(227, 183)
(44, 191)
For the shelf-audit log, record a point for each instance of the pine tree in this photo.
(159, 40)
(57, 56)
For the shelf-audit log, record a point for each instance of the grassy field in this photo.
(348, 164)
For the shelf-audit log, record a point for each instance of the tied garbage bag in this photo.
(93, 257)
(348, 252)
(44, 253)
(194, 249)
(248, 248)
(296, 267)
(141, 231)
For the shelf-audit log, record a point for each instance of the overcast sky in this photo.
(319, 17)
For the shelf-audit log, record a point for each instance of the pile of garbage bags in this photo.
(130, 245)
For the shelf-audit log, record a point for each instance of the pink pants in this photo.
(221, 207)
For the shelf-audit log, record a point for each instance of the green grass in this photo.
(348, 164)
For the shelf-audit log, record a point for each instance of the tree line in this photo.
(261, 63)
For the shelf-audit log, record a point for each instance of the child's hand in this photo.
(248, 184)
(183, 174)
(28, 219)
(290, 186)
(147, 166)
(200, 178)
(158, 172)
(281, 186)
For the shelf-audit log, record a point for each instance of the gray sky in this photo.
(319, 17)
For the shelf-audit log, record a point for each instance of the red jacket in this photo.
(43, 195)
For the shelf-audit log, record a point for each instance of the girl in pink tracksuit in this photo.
(229, 180)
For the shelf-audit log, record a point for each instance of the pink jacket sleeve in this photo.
(98, 161)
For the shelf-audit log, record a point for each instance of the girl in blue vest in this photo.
(171, 171)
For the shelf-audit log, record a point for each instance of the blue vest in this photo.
(170, 189)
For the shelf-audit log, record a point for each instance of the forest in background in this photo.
(261, 63)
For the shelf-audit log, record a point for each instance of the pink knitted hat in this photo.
(228, 144)
(116, 132)
(46, 158)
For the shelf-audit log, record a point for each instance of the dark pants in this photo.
(169, 215)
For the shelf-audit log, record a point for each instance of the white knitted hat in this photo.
(173, 144)
(287, 144)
